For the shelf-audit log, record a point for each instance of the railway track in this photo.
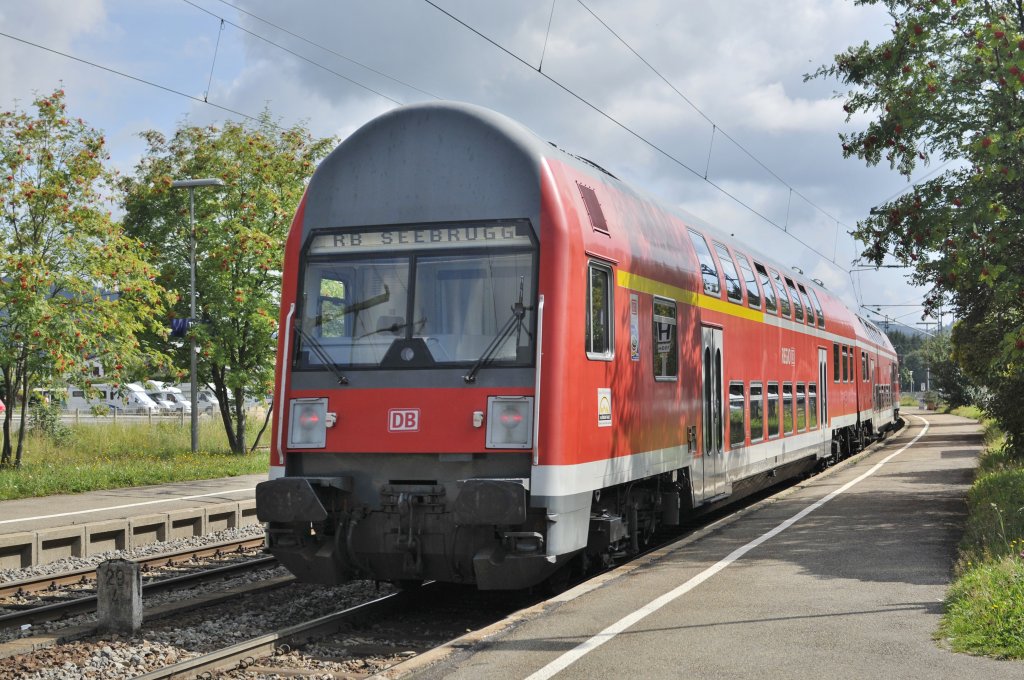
(245, 654)
(83, 605)
(53, 582)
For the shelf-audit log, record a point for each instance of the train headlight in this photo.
(509, 422)
(308, 424)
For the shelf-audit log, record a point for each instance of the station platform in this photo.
(840, 576)
(40, 530)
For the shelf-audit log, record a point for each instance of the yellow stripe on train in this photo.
(642, 284)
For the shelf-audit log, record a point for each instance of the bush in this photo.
(46, 419)
(996, 519)
(985, 609)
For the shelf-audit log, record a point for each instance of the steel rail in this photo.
(50, 582)
(87, 604)
(244, 654)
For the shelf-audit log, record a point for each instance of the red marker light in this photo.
(309, 418)
(510, 418)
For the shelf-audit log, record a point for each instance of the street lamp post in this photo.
(191, 185)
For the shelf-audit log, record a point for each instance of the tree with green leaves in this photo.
(75, 290)
(948, 86)
(241, 230)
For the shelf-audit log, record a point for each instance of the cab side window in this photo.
(599, 312)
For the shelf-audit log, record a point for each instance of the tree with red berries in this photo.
(75, 290)
(240, 234)
(948, 86)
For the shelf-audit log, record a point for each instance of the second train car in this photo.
(497, 360)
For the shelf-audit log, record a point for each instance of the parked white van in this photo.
(131, 398)
(206, 401)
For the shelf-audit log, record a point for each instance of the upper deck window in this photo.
(798, 309)
(807, 304)
(753, 292)
(766, 286)
(733, 289)
(783, 295)
(708, 271)
(817, 309)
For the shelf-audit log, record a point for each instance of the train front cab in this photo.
(408, 359)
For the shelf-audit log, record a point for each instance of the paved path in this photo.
(33, 514)
(852, 588)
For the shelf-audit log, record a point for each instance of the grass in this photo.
(985, 605)
(112, 455)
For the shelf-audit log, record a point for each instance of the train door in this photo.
(824, 382)
(714, 469)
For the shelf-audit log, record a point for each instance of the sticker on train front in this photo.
(404, 420)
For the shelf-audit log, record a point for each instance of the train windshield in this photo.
(419, 297)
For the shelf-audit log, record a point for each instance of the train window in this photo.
(345, 300)
(666, 342)
(835, 363)
(798, 309)
(783, 295)
(737, 431)
(774, 422)
(708, 271)
(599, 312)
(807, 304)
(864, 365)
(753, 294)
(849, 360)
(733, 288)
(817, 309)
(756, 422)
(801, 407)
(787, 408)
(846, 375)
(766, 286)
(812, 406)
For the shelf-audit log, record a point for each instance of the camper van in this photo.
(131, 398)
(206, 401)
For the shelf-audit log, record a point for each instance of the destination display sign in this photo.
(434, 237)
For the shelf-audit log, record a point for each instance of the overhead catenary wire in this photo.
(294, 53)
(216, 49)
(326, 49)
(715, 126)
(137, 79)
(205, 99)
(629, 130)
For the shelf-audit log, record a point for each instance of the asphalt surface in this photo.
(853, 588)
(33, 514)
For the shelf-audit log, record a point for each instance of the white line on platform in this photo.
(128, 505)
(626, 622)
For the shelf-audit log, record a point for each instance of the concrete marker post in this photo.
(119, 596)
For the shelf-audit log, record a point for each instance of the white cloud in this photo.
(741, 63)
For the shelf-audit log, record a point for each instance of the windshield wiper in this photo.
(321, 354)
(395, 327)
(514, 324)
(369, 302)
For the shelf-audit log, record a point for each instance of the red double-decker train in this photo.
(497, 361)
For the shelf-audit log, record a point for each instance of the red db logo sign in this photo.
(404, 420)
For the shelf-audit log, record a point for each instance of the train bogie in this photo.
(496, 359)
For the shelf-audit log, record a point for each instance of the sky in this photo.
(722, 94)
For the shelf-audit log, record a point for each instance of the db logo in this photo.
(404, 420)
